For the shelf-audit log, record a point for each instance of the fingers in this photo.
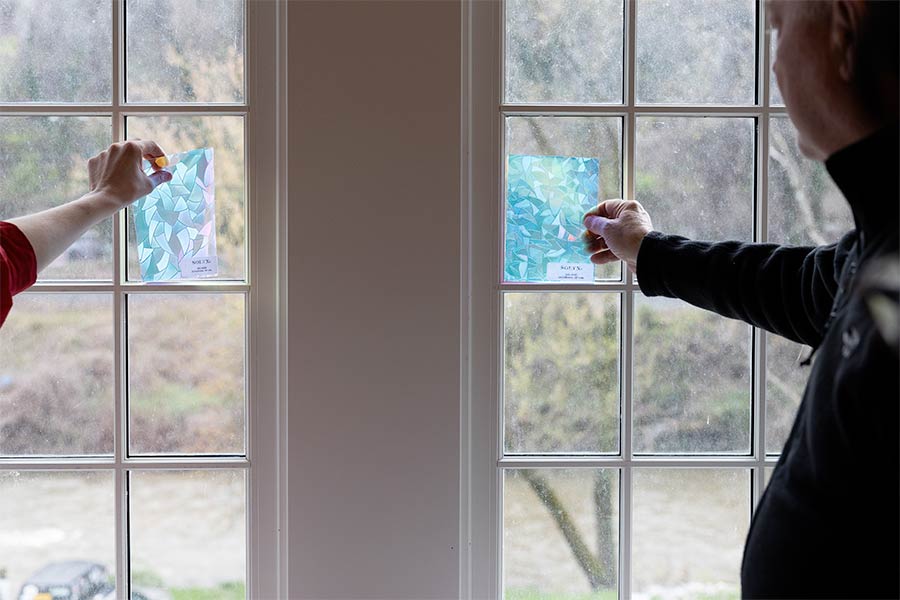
(137, 149)
(597, 211)
(595, 245)
(159, 177)
(603, 257)
(612, 209)
(596, 225)
(149, 150)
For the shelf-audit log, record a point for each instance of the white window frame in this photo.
(481, 319)
(264, 290)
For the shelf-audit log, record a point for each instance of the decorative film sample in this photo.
(175, 224)
(546, 198)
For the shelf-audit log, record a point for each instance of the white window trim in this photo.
(481, 353)
(265, 115)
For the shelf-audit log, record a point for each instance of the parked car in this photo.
(79, 580)
(67, 580)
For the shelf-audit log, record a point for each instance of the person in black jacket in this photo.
(827, 525)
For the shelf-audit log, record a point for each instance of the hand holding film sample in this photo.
(175, 224)
(546, 198)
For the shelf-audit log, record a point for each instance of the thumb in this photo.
(160, 177)
(596, 224)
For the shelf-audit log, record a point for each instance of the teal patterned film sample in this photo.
(546, 198)
(175, 224)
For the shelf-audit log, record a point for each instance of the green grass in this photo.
(225, 591)
(177, 400)
(532, 594)
(235, 590)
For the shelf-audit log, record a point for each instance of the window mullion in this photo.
(119, 316)
(627, 324)
(762, 235)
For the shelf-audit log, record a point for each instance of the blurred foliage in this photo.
(43, 163)
(561, 391)
(187, 391)
(695, 51)
(691, 380)
(46, 58)
(184, 50)
(186, 373)
(564, 51)
(56, 375)
(695, 175)
(225, 134)
(561, 376)
(43, 160)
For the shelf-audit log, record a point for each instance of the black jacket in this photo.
(827, 525)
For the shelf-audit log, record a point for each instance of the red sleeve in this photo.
(18, 266)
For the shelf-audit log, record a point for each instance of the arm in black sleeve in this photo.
(787, 290)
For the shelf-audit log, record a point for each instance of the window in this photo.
(619, 443)
(129, 408)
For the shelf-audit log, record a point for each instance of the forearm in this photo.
(786, 290)
(52, 231)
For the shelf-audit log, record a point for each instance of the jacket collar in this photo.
(867, 174)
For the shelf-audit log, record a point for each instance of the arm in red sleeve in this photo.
(18, 266)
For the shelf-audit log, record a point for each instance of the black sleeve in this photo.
(788, 290)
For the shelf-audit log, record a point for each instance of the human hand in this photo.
(116, 172)
(615, 229)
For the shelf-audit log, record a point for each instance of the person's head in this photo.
(837, 67)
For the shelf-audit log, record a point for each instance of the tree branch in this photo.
(595, 572)
(795, 178)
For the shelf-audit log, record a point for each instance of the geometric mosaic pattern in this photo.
(546, 198)
(175, 224)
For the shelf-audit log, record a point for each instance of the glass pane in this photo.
(563, 51)
(584, 137)
(44, 164)
(561, 372)
(57, 522)
(540, 562)
(785, 382)
(696, 52)
(225, 135)
(688, 530)
(186, 373)
(184, 51)
(774, 92)
(59, 51)
(188, 534)
(695, 175)
(691, 380)
(56, 375)
(807, 209)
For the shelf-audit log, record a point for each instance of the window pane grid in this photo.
(757, 461)
(119, 462)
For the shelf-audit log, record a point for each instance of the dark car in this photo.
(67, 580)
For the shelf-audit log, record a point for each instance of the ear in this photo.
(847, 17)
